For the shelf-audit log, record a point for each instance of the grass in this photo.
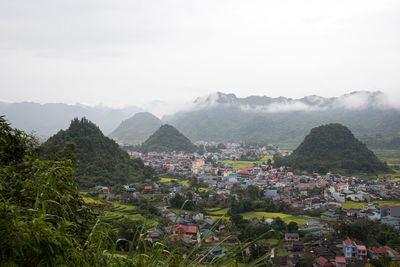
(119, 211)
(217, 211)
(360, 205)
(91, 200)
(239, 164)
(353, 205)
(391, 156)
(170, 180)
(285, 217)
(203, 189)
(273, 242)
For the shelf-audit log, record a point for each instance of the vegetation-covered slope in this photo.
(98, 159)
(332, 147)
(167, 139)
(43, 220)
(287, 121)
(137, 128)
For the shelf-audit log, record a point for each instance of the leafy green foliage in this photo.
(167, 139)
(230, 122)
(371, 233)
(14, 144)
(332, 147)
(178, 201)
(98, 159)
(43, 220)
(292, 227)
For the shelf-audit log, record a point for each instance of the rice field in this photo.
(285, 217)
(238, 164)
(170, 180)
(360, 205)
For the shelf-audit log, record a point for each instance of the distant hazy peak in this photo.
(353, 100)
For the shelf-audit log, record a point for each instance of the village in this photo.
(215, 182)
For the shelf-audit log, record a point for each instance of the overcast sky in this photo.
(132, 52)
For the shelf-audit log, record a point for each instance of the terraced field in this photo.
(119, 211)
(217, 213)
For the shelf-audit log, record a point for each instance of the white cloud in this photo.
(132, 52)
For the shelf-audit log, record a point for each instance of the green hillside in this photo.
(332, 147)
(136, 129)
(167, 139)
(97, 158)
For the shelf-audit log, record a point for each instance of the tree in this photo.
(253, 192)
(279, 225)
(269, 162)
(176, 201)
(237, 220)
(43, 219)
(292, 227)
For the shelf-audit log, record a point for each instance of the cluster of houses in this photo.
(349, 252)
(193, 164)
(310, 192)
(307, 192)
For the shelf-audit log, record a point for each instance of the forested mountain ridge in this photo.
(98, 159)
(332, 147)
(167, 139)
(136, 129)
(225, 117)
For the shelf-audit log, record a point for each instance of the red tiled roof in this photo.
(148, 187)
(378, 250)
(340, 259)
(361, 247)
(348, 241)
(321, 261)
(395, 253)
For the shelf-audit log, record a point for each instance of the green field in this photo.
(217, 213)
(119, 211)
(361, 205)
(203, 189)
(238, 164)
(170, 180)
(388, 155)
(285, 217)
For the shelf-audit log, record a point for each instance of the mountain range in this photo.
(225, 117)
(45, 120)
(136, 129)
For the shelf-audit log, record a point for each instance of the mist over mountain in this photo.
(137, 128)
(225, 117)
(47, 119)
(371, 116)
